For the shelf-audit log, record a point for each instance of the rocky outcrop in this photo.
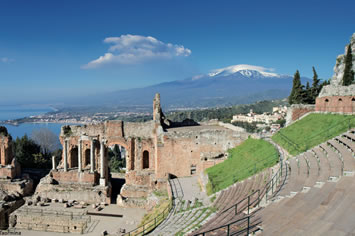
(340, 64)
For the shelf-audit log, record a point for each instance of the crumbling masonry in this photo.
(155, 151)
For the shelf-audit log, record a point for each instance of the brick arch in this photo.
(129, 151)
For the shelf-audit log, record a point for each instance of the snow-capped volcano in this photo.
(226, 86)
(246, 70)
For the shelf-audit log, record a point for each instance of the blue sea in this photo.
(15, 112)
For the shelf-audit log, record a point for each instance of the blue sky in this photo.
(55, 49)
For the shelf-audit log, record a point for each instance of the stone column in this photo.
(102, 153)
(102, 164)
(53, 163)
(79, 156)
(65, 155)
(92, 156)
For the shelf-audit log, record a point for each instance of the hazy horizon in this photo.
(51, 52)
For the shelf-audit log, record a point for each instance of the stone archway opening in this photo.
(145, 160)
(74, 157)
(117, 164)
(87, 157)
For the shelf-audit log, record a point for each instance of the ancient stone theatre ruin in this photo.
(154, 151)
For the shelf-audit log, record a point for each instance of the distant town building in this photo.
(278, 113)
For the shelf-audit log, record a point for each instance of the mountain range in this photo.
(238, 84)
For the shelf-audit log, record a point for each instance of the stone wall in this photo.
(184, 151)
(297, 111)
(335, 97)
(341, 104)
(62, 223)
(24, 187)
(6, 208)
(73, 176)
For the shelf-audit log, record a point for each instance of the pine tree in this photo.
(307, 86)
(348, 77)
(314, 91)
(296, 95)
(315, 78)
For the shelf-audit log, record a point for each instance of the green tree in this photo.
(315, 87)
(348, 77)
(116, 162)
(296, 95)
(24, 150)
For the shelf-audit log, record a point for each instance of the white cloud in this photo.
(6, 60)
(133, 49)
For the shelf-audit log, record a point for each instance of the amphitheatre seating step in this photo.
(324, 162)
(292, 210)
(238, 192)
(330, 205)
(327, 208)
(323, 165)
(334, 160)
(297, 176)
(350, 135)
(313, 175)
(346, 142)
(349, 162)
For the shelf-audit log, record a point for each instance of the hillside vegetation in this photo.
(224, 113)
(250, 157)
(312, 130)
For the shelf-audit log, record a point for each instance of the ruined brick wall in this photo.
(301, 111)
(183, 153)
(342, 104)
(208, 164)
(296, 111)
(142, 130)
(75, 177)
(24, 186)
(62, 223)
(8, 171)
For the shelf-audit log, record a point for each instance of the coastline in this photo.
(13, 123)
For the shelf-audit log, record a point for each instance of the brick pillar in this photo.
(92, 156)
(79, 156)
(65, 155)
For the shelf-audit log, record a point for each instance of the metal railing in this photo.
(251, 203)
(152, 224)
(228, 227)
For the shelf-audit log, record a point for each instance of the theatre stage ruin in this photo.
(154, 151)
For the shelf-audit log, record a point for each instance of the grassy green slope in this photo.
(245, 160)
(312, 130)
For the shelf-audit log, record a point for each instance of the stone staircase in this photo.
(186, 214)
(318, 196)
